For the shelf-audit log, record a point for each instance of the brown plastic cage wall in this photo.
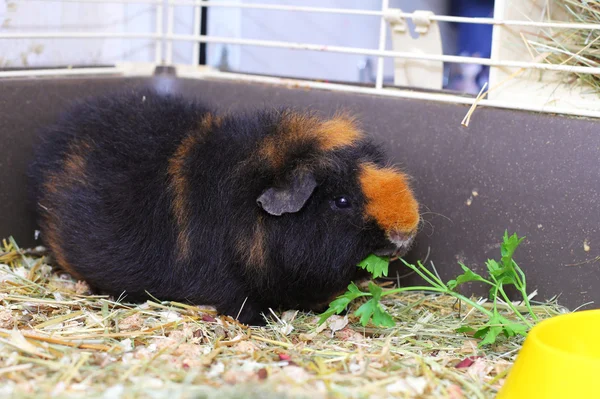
(534, 174)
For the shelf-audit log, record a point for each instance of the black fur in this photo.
(117, 229)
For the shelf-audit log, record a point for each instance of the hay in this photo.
(576, 47)
(58, 339)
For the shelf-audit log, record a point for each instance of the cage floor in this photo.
(56, 338)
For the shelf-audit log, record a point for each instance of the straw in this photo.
(576, 47)
(57, 338)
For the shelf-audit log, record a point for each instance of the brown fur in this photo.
(53, 241)
(180, 189)
(253, 248)
(209, 121)
(51, 184)
(179, 185)
(340, 131)
(390, 201)
(75, 163)
(72, 173)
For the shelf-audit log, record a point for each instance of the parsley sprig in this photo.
(500, 274)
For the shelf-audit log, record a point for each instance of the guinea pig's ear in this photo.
(290, 198)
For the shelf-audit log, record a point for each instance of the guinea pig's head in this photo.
(329, 200)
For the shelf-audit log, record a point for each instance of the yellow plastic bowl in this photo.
(560, 359)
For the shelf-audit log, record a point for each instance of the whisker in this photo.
(437, 214)
(422, 223)
(427, 255)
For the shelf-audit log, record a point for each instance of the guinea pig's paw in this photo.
(256, 321)
(250, 314)
(253, 320)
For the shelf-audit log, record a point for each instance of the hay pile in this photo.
(576, 47)
(56, 338)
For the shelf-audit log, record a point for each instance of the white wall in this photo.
(19, 16)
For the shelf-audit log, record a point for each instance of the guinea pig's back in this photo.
(101, 182)
(127, 131)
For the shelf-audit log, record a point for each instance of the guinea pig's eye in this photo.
(342, 202)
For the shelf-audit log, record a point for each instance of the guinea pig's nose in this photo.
(399, 244)
(401, 239)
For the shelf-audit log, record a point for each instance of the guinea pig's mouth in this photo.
(393, 252)
(397, 247)
(400, 252)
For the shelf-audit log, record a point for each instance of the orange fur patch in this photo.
(293, 128)
(390, 201)
(341, 131)
(338, 132)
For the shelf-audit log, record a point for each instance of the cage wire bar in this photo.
(382, 37)
(159, 30)
(197, 29)
(170, 21)
(298, 46)
(325, 10)
(164, 36)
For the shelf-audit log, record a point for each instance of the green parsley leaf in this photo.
(467, 276)
(365, 312)
(508, 247)
(466, 329)
(373, 311)
(375, 265)
(341, 302)
(488, 335)
(381, 318)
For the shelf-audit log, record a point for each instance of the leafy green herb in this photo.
(341, 302)
(500, 274)
(375, 265)
(373, 309)
(468, 276)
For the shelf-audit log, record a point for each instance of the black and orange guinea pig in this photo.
(143, 193)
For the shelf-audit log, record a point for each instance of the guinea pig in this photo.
(140, 193)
